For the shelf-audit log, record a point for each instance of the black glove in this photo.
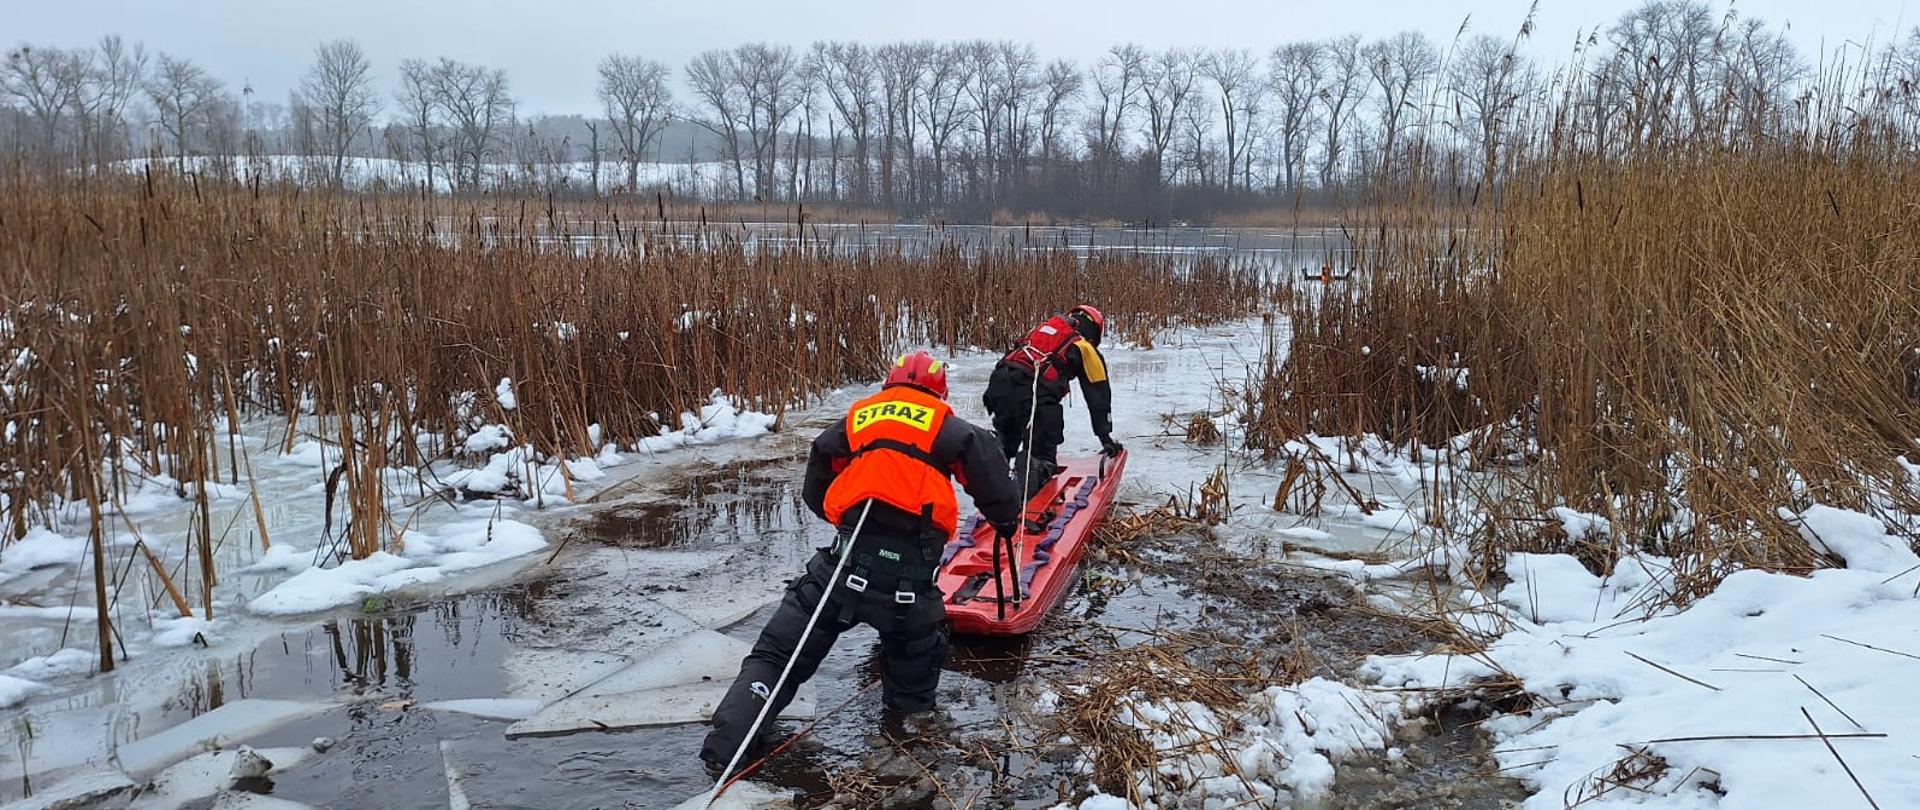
(1109, 446)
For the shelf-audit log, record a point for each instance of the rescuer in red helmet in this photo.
(884, 476)
(1028, 384)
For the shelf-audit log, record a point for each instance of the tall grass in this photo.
(143, 322)
(1686, 335)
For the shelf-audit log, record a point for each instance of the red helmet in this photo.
(921, 371)
(1093, 316)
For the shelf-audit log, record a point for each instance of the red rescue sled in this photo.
(1069, 506)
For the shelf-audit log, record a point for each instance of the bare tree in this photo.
(749, 92)
(1116, 86)
(1295, 79)
(1019, 87)
(1762, 67)
(940, 109)
(638, 104)
(1345, 87)
(1165, 90)
(114, 73)
(806, 97)
(770, 76)
(223, 126)
(984, 102)
(1482, 81)
(182, 94)
(47, 81)
(1903, 75)
(1197, 156)
(420, 110)
(478, 109)
(1665, 50)
(1400, 66)
(849, 75)
(1233, 73)
(1061, 87)
(339, 90)
(713, 77)
(900, 65)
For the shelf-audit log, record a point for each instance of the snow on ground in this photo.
(1277, 749)
(425, 559)
(16, 690)
(1681, 697)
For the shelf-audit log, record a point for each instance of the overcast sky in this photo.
(549, 48)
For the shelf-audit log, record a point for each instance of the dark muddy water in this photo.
(392, 752)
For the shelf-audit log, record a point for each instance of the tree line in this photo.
(968, 128)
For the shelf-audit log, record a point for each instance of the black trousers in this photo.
(1010, 399)
(913, 646)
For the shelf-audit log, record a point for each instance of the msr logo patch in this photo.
(902, 412)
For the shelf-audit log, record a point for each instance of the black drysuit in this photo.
(913, 634)
(1010, 398)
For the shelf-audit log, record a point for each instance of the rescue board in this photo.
(1068, 508)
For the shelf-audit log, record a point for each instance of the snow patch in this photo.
(427, 559)
(14, 691)
(1859, 539)
(503, 394)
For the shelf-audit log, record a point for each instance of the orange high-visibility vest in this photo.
(892, 434)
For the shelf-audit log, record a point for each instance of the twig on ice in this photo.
(1871, 647)
(1829, 702)
(1836, 755)
(1694, 681)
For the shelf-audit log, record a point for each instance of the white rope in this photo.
(767, 705)
(1019, 529)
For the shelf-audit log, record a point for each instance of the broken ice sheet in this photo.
(680, 682)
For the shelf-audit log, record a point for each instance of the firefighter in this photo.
(884, 477)
(1029, 383)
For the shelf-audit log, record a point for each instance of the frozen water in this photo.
(742, 796)
(84, 790)
(207, 774)
(243, 800)
(495, 708)
(680, 682)
(229, 723)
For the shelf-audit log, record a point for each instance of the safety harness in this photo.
(878, 569)
(1043, 353)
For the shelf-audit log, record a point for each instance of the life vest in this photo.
(892, 435)
(1044, 352)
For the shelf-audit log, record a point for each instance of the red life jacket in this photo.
(1044, 352)
(892, 435)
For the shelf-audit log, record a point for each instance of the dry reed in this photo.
(1685, 336)
(143, 321)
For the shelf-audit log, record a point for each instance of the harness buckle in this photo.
(904, 597)
(856, 583)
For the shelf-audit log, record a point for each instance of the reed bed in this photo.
(143, 322)
(1693, 339)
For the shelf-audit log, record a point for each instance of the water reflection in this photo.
(365, 649)
(728, 506)
(444, 649)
